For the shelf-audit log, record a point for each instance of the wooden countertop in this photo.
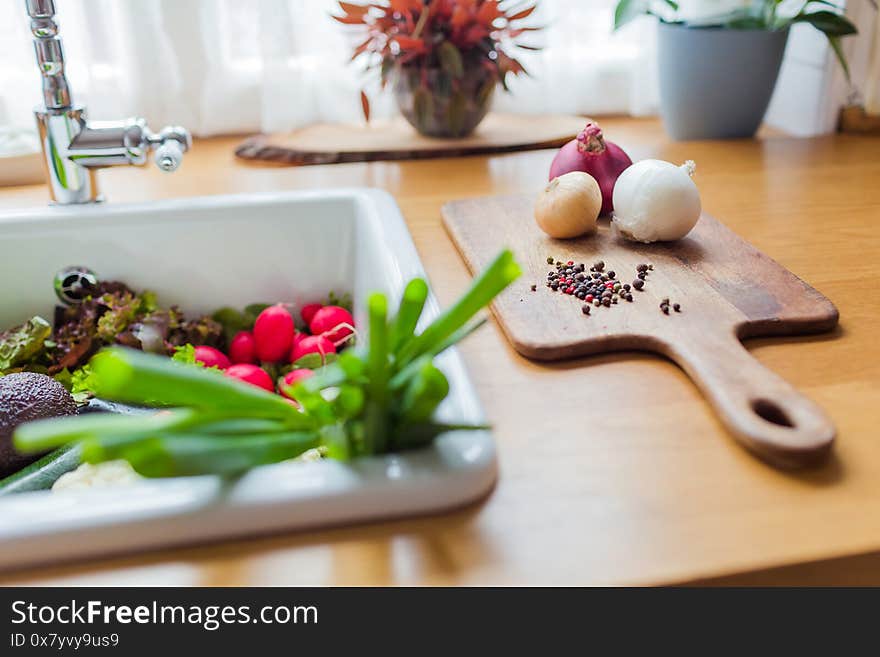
(643, 488)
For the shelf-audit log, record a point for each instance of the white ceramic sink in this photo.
(203, 253)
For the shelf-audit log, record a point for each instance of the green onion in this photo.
(370, 401)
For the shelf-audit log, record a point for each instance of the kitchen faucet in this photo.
(73, 147)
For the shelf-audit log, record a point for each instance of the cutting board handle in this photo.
(761, 409)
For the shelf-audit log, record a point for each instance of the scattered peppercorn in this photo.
(585, 309)
(676, 307)
(549, 261)
(638, 284)
(534, 288)
(641, 267)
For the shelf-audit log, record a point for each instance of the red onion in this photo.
(590, 153)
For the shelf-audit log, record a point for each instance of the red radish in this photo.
(298, 337)
(329, 320)
(312, 344)
(273, 334)
(590, 153)
(293, 377)
(210, 357)
(243, 349)
(308, 311)
(252, 374)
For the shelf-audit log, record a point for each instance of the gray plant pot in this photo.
(715, 82)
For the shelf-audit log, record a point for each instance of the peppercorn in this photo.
(606, 302)
(676, 307)
(641, 267)
(534, 288)
(554, 286)
(629, 297)
(585, 309)
(599, 266)
(638, 284)
(611, 273)
(665, 302)
(642, 276)
(664, 308)
(650, 267)
(549, 260)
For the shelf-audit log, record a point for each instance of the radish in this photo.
(312, 344)
(210, 357)
(292, 378)
(273, 334)
(252, 374)
(308, 311)
(590, 153)
(242, 348)
(333, 322)
(298, 337)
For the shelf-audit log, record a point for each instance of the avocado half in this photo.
(26, 396)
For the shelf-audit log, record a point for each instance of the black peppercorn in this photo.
(676, 307)
(638, 284)
(585, 309)
(534, 288)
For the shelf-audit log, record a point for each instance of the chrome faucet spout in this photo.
(73, 147)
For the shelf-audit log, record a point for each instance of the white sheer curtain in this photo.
(232, 66)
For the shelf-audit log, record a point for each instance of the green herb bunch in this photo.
(378, 398)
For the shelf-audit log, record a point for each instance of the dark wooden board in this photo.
(331, 143)
(727, 289)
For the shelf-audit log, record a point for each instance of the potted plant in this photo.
(443, 58)
(718, 61)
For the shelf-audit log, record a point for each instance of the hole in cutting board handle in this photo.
(771, 412)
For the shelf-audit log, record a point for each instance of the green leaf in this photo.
(182, 455)
(313, 361)
(21, 343)
(41, 474)
(423, 107)
(455, 113)
(827, 22)
(424, 394)
(627, 10)
(41, 435)
(497, 276)
(450, 59)
(411, 305)
(130, 376)
(376, 409)
(746, 23)
(838, 52)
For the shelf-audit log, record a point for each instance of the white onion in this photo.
(656, 201)
(569, 205)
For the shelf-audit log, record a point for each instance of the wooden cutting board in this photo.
(727, 290)
(331, 143)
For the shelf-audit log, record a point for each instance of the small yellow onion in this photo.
(569, 205)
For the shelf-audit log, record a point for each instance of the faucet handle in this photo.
(169, 145)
